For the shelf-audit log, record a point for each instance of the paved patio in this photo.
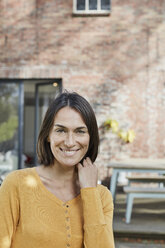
(147, 225)
(144, 244)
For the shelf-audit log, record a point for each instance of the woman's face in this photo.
(69, 137)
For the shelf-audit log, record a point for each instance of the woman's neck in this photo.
(62, 175)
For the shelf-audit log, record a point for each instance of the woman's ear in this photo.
(48, 140)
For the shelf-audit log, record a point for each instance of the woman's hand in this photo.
(87, 174)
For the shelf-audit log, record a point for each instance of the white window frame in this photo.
(87, 11)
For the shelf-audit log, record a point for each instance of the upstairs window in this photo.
(89, 7)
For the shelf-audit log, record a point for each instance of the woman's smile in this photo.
(69, 152)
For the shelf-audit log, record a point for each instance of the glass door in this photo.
(10, 126)
(44, 95)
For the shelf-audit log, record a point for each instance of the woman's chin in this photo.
(69, 164)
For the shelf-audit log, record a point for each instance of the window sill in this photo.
(91, 13)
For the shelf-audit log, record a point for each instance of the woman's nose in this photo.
(69, 140)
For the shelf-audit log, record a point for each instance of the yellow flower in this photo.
(114, 126)
(130, 136)
(111, 124)
(126, 136)
(107, 124)
(123, 135)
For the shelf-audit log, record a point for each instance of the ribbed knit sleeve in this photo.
(98, 215)
(9, 209)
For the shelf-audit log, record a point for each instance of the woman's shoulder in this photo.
(15, 176)
(21, 172)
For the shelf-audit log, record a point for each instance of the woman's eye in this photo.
(80, 131)
(60, 130)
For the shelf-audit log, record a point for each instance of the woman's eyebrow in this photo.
(59, 125)
(83, 127)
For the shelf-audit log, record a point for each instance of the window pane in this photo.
(93, 4)
(9, 97)
(80, 4)
(105, 4)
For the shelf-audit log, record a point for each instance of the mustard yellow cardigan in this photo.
(33, 217)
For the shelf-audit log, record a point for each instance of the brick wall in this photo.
(116, 62)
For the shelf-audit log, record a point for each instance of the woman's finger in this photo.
(89, 161)
(85, 163)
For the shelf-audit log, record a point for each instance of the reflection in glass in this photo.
(93, 4)
(105, 4)
(80, 4)
(46, 94)
(9, 97)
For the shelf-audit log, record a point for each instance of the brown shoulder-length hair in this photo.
(80, 104)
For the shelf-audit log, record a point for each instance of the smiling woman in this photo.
(59, 204)
(81, 109)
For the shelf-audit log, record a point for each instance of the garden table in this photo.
(140, 166)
